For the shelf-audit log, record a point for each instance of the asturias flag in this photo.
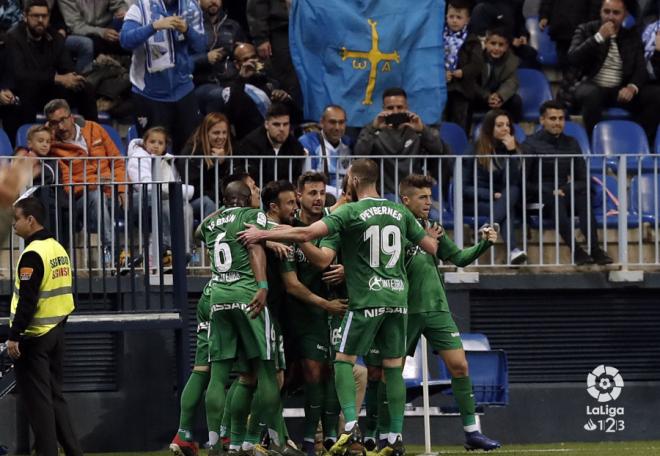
(347, 52)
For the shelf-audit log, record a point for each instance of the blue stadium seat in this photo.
(467, 219)
(116, 138)
(489, 372)
(132, 133)
(5, 145)
(534, 90)
(578, 132)
(645, 197)
(610, 213)
(656, 147)
(611, 137)
(616, 114)
(455, 137)
(518, 132)
(21, 134)
(541, 41)
(475, 341)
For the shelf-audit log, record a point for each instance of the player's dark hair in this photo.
(271, 192)
(277, 110)
(366, 170)
(415, 181)
(551, 104)
(395, 92)
(309, 177)
(237, 194)
(32, 206)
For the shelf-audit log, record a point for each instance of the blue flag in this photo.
(347, 52)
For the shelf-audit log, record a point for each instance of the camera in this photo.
(397, 119)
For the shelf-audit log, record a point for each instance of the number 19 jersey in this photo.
(373, 232)
(232, 276)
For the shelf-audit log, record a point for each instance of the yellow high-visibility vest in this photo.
(55, 297)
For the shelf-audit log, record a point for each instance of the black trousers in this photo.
(563, 209)
(180, 118)
(39, 382)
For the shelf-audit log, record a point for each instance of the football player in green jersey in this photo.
(428, 310)
(240, 321)
(372, 231)
(311, 305)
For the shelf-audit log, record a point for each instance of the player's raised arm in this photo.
(320, 257)
(298, 234)
(258, 264)
(299, 291)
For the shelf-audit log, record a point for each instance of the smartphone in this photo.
(397, 119)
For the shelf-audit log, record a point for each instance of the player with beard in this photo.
(372, 231)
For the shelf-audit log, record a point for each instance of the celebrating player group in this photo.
(325, 286)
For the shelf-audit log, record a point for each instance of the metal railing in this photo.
(621, 192)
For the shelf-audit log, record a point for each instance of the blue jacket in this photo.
(171, 84)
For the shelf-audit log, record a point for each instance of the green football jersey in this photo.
(276, 292)
(232, 276)
(426, 291)
(372, 235)
(310, 276)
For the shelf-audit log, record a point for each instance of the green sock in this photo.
(462, 388)
(215, 393)
(330, 416)
(240, 409)
(371, 400)
(345, 384)
(225, 425)
(396, 397)
(254, 427)
(192, 395)
(267, 396)
(383, 409)
(313, 400)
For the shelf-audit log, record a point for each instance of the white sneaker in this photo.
(517, 256)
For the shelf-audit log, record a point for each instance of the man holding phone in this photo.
(398, 131)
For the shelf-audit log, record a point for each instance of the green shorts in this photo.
(233, 331)
(383, 327)
(334, 325)
(203, 311)
(373, 357)
(313, 341)
(438, 328)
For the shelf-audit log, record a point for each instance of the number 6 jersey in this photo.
(373, 232)
(232, 277)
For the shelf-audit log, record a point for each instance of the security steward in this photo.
(40, 306)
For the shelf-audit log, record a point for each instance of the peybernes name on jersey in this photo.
(226, 277)
(380, 210)
(221, 221)
(377, 311)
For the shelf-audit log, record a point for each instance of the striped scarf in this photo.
(453, 42)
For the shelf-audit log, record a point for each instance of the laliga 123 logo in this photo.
(604, 384)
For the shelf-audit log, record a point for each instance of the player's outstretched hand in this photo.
(334, 275)
(489, 234)
(337, 306)
(258, 302)
(249, 236)
(281, 250)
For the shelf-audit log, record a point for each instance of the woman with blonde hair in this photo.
(497, 198)
(206, 167)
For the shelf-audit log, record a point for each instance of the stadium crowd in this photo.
(212, 81)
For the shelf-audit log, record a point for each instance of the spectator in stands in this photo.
(162, 41)
(499, 81)
(571, 179)
(329, 150)
(249, 96)
(74, 140)
(269, 28)
(562, 17)
(215, 67)
(611, 59)
(387, 136)
(651, 40)
(43, 69)
(506, 15)
(270, 140)
(212, 142)
(496, 137)
(463, 62)
(96, 22)
(38, 145)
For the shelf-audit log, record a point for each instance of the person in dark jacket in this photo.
(463, 62)
(43, 69)
(499, 82)
(271, 140)
(611, 60)
(496, 137)
(571, 178)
